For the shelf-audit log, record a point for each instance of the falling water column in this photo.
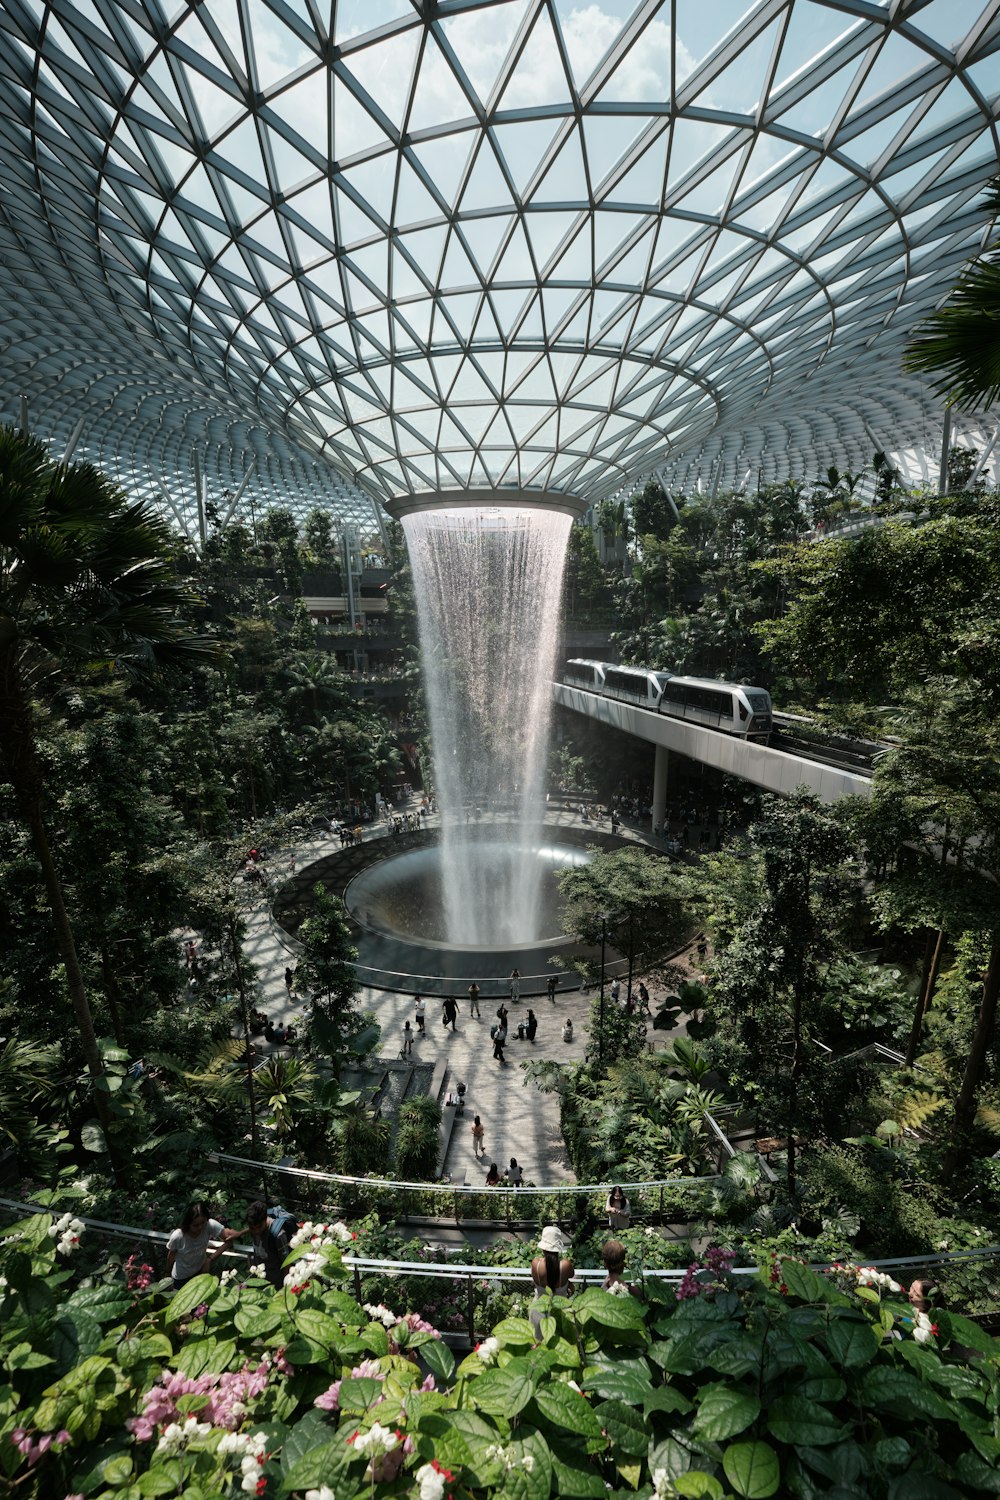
(488, 583)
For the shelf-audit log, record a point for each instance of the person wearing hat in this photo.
(552, 1271)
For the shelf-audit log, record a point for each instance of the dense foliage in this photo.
(788, 1383)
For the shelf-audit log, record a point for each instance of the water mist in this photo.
(488, 584)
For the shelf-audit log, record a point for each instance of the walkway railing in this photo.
(300, 1187)
(464, 1300)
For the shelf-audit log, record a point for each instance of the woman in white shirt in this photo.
(187, 1247)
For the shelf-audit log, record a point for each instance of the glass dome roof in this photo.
(381, 247)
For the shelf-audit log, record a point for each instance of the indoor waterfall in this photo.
(488, 584)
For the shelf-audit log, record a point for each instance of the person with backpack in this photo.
(270, 1231)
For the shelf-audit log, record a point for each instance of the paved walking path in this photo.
(519, 1120)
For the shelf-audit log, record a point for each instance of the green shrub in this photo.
(418, 1140)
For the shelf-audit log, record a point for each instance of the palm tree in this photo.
(86, 585)
(959, 345)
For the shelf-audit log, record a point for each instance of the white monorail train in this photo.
(728, 706)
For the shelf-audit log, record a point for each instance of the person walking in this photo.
(420, 1008)
(289, 977)
(478, 1137)
(514, 1173)
(551, 987)
(493, 1176)
(615, 991)
(643, 999)
(531, 1025)
(187, 1247)
(474, 1001)
(515, 985)
(502, 1014)
(407, 1038)
(499, 1040)
(568, 1029)
(449, 1011)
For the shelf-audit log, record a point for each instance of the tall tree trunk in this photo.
(928, 984)
(17, 745)
(965, 1104)
(114, 995)
(236, 949)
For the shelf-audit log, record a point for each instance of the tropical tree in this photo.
(959, 345)
(86, 586)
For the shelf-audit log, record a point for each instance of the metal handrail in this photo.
(447, 1269)
(452, 1187)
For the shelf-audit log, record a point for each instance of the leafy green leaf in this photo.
(619, 1385)
(257, 1322)
(326, 1463)
(903, 1394)
(852, 1343)
(564, 1407)
(809, 1285)
(723, 1411)
(75, 1335)
(92, 1138)
(317, 1326)
(503, 1393)
(439, 1359)
(359, 1392)
(752, 1469)
(696, 1484)
(532, 1480)
(625, 1427)
(203, 1288)
(798, 1422)
(572, 1476)
(205, 1357)
(598, 1306)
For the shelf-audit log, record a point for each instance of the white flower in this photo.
(380, 1314)
(868, 1276)
(430, 1480)
(488, 1350)
(661, 1484)
(228, 1276)
(176, 1437)
(497, 1453)
(528, 1463)
(923, 1328)
(257, 1269)
(301, 1271)
(377, 1440)
(325, 1493)
(619, 1289)
(4, 1283)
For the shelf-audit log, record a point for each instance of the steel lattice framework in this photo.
(382, 247)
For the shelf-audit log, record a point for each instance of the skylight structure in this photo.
(378, 248)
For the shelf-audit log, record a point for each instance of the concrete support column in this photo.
(660, 766)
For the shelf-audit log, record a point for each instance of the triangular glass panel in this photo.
(405, 281)
(523, 146)
(313, 205)
(700, 29)
(868, 145)
(375, 182)
(539, 72)
(354, 129)
(607, 139)
(812, 30)
(611, 230)
(444, 160)
(644, 70)
(384, 72)
(576, 263)
(484, 238)
(565, 180)
(278, 50)
(353, 225)
(739, 88)
(481, 39)
(507, 305)
(709, 196)
(305, 109)
(813, 114)
(633, 266)
(643, 182)
(546, 231)
(216, 107)
(486, 187)
(458, 269)
(898, 58)
(438, 98)
(691, 141)
(461, 309)
(485, 330)
(356, 17)
(290, 166)
(416, 317)
(516, 263)
(414, 204)
(373, 262)
(425, 248)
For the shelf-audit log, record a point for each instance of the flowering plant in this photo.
(781, 1384)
